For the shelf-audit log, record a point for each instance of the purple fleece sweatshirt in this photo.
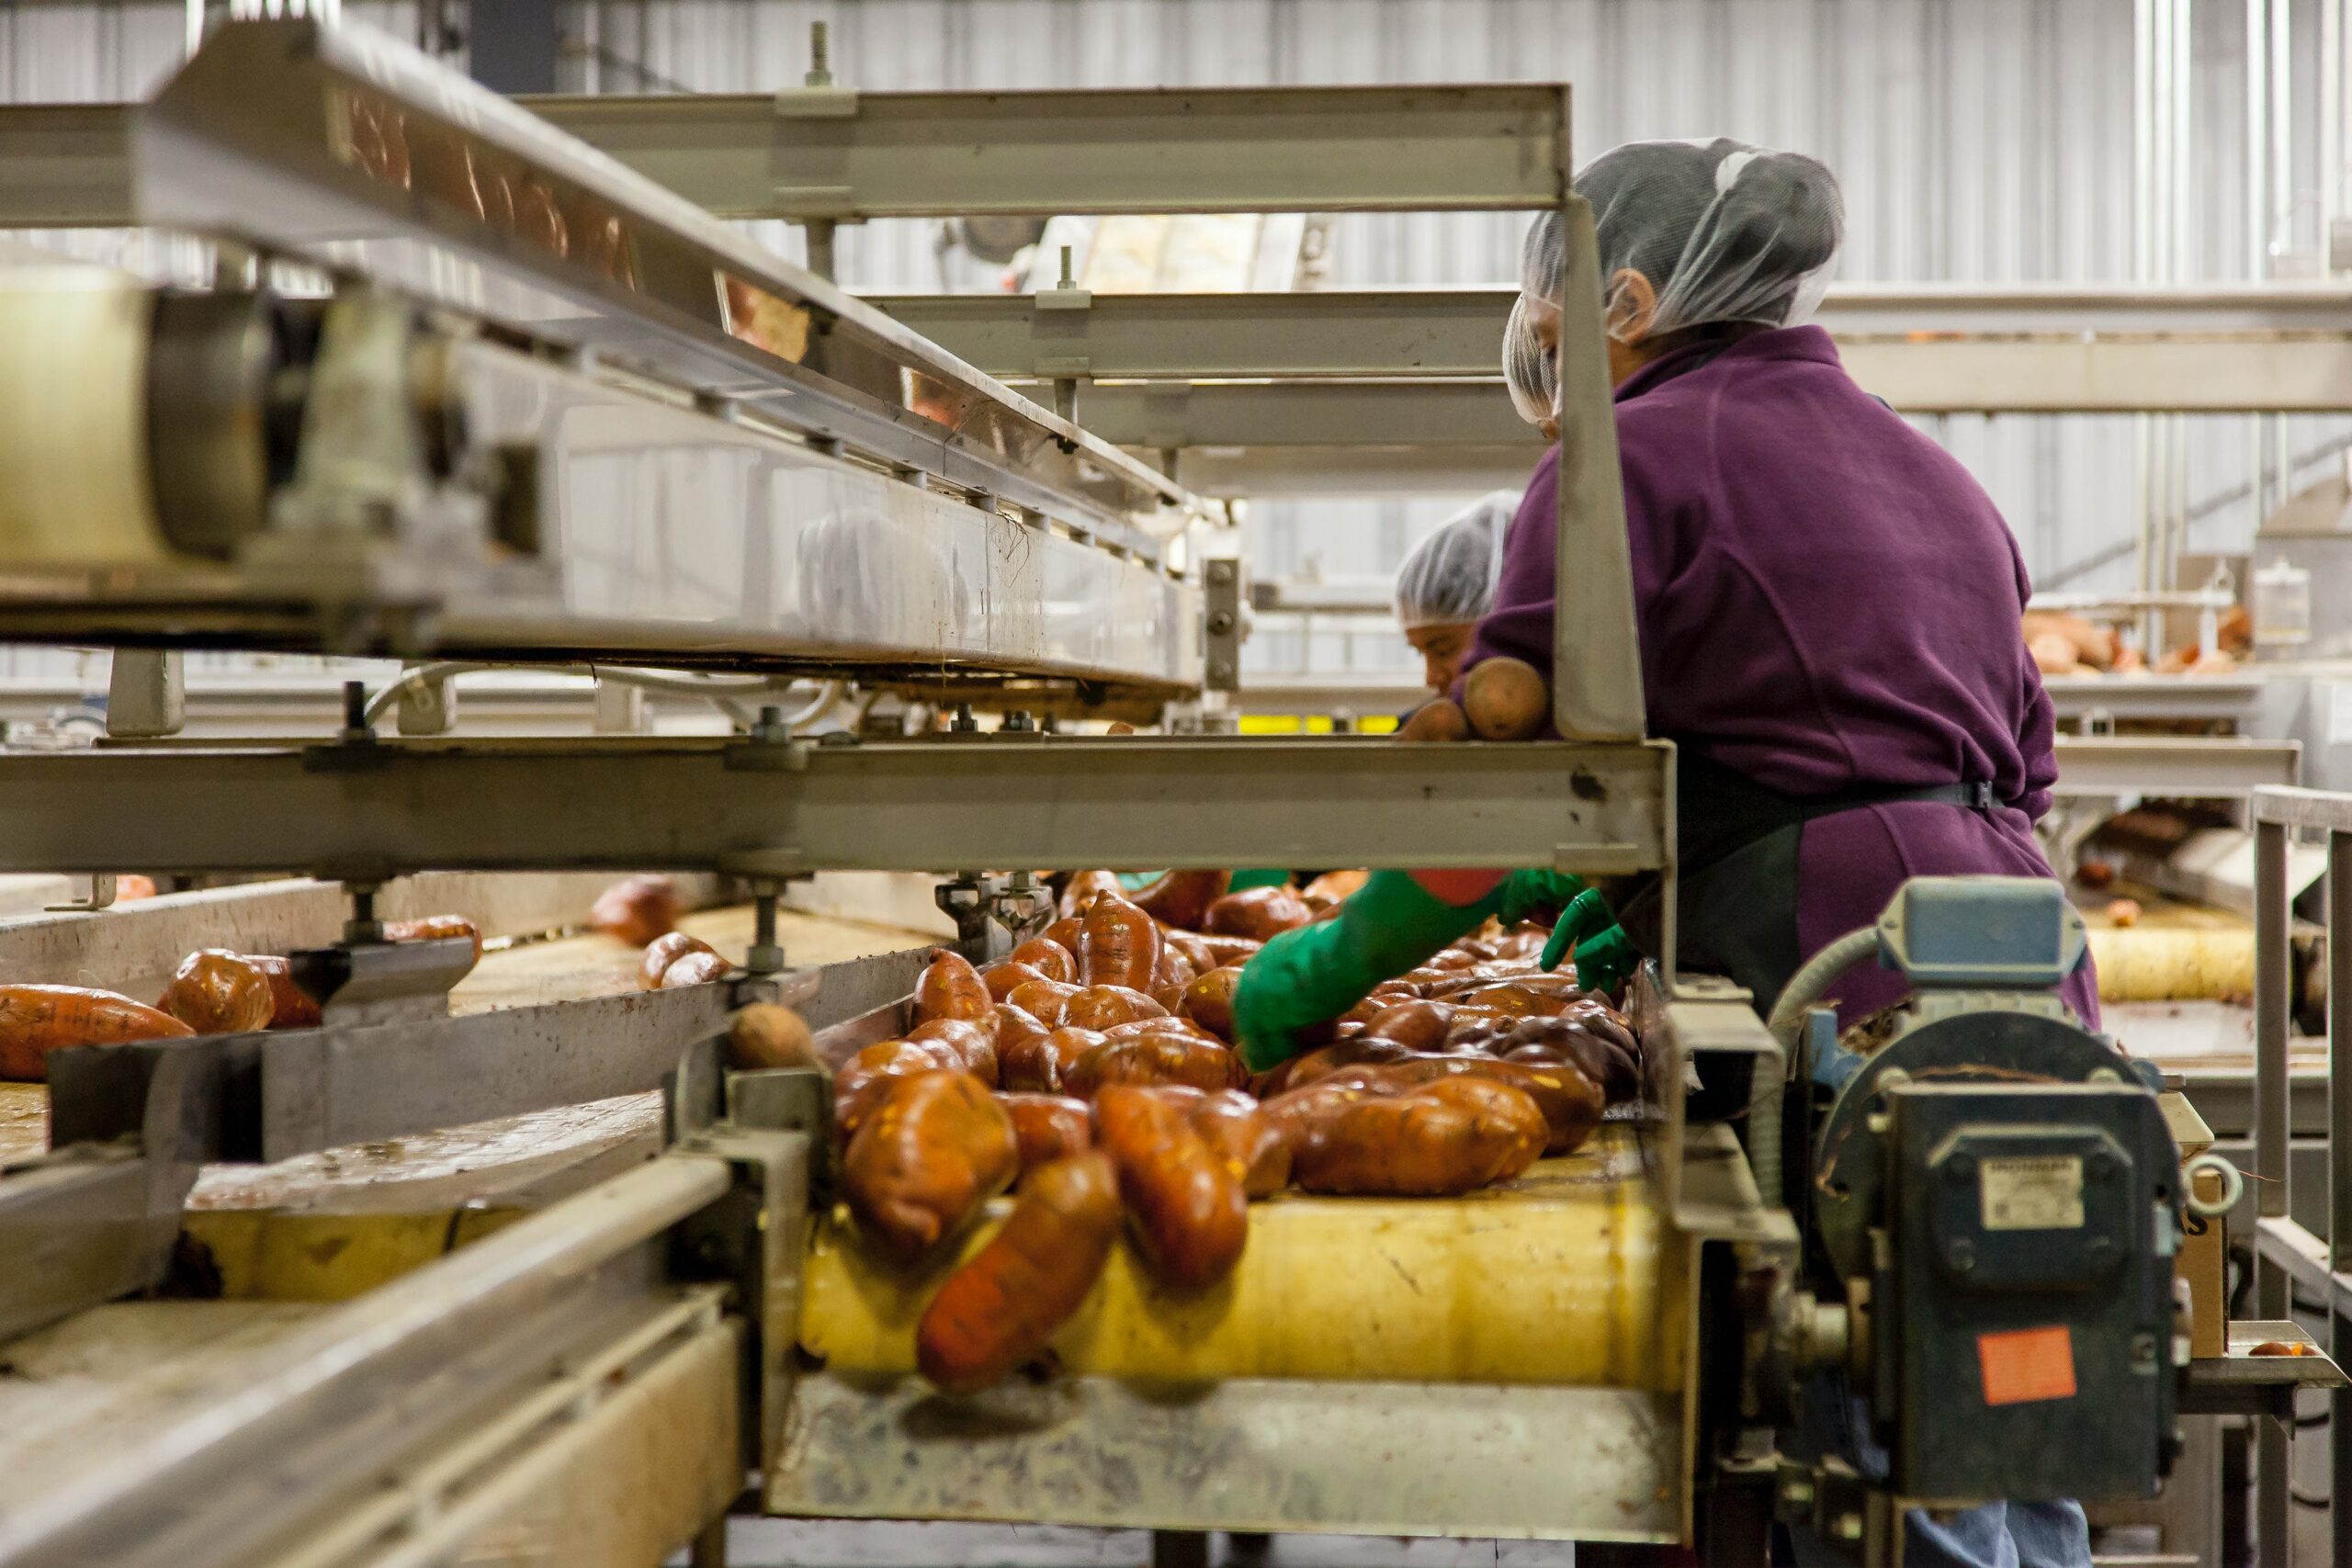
(1826, 601)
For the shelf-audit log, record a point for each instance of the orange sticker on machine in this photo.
(2027, 1364)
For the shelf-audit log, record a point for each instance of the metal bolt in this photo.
(2104, 1075)
(1019, 722)
(1960, 1166)
(964, 723)
(2099, 1165)
(1068, 280)
(820, 57)
(1220, 672)
(1220, 622)
(2144, 1353)
(1961, 1256)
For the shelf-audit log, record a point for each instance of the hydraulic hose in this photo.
(1764, 1090)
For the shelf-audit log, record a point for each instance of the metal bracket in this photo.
(1221, 622)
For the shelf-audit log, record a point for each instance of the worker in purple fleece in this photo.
(1827, 607)
(1826, 601)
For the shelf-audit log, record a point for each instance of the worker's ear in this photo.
(1633, 305)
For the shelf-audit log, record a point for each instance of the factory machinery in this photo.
(514, 401)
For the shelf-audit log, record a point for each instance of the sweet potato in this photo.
(1067, 934)
(637, 909)
(1536, 1040)
(1190, 944)
(37, 1020)
(662, 952)
(1569, 1101)
(1038, 1065)
(951, 987)
(291, 1006)
(1122, 945)
(1012, 1026)
(1105, 1007)
(1332, 887)
(1158, 1059)
(694, 968)
(434, 928)
(1417, 1025)
(215, 991)
(1003, 1307)
(1182, 898)
(1254, 1147)
(1506, 699)
(1311, 1067)
(769, 1034)
(1048, 1126)
(1229, 950)
(1085, 886)
(859, 1086)
(1514, 1001)
(973, 1045)
(1188, 1212)
(1044, 1000)
(1258, 913)
(1208, 1001)
(1447, 1137)
(1000, 978)
(1435, 722)
(1050, 959)
(920, 1168)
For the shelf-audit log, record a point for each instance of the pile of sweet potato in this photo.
(214, 991)
(1095, 1068)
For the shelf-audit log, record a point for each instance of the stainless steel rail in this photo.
(2286, 1255)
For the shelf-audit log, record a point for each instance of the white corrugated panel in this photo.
(1978, 140)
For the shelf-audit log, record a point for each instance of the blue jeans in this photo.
(1997, 1535)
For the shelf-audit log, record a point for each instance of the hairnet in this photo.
(1725, 232)
(1449, 577)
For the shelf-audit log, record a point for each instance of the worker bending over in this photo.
(1827, 607)
(1447, 585)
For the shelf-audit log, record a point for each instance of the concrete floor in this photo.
(791, 1543)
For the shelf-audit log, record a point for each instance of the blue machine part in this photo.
(1982, 931)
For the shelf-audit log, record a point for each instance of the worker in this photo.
(1827, 607)
(1447, 585)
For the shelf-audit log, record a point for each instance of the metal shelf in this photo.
(374, 809)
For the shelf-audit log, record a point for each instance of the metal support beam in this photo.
(825, 153)
(2190, 766)
(373, 810)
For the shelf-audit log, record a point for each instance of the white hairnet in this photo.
(1449, 576)
(1723, 232)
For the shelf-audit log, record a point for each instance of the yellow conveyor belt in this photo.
(1565, 1276)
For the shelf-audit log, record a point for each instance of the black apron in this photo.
(1737, 843)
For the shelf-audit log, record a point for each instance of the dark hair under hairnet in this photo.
(1725, 232)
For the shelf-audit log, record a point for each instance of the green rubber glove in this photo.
(1257, 877)
(1525, 892)
(1587, 915)
(1588, 932)
(1305, 976)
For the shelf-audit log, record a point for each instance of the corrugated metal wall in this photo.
(1978, 140)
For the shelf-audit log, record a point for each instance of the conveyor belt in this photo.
(1563, 1278)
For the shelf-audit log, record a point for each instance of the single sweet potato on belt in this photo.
(937, 1148)
(999, 1309)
